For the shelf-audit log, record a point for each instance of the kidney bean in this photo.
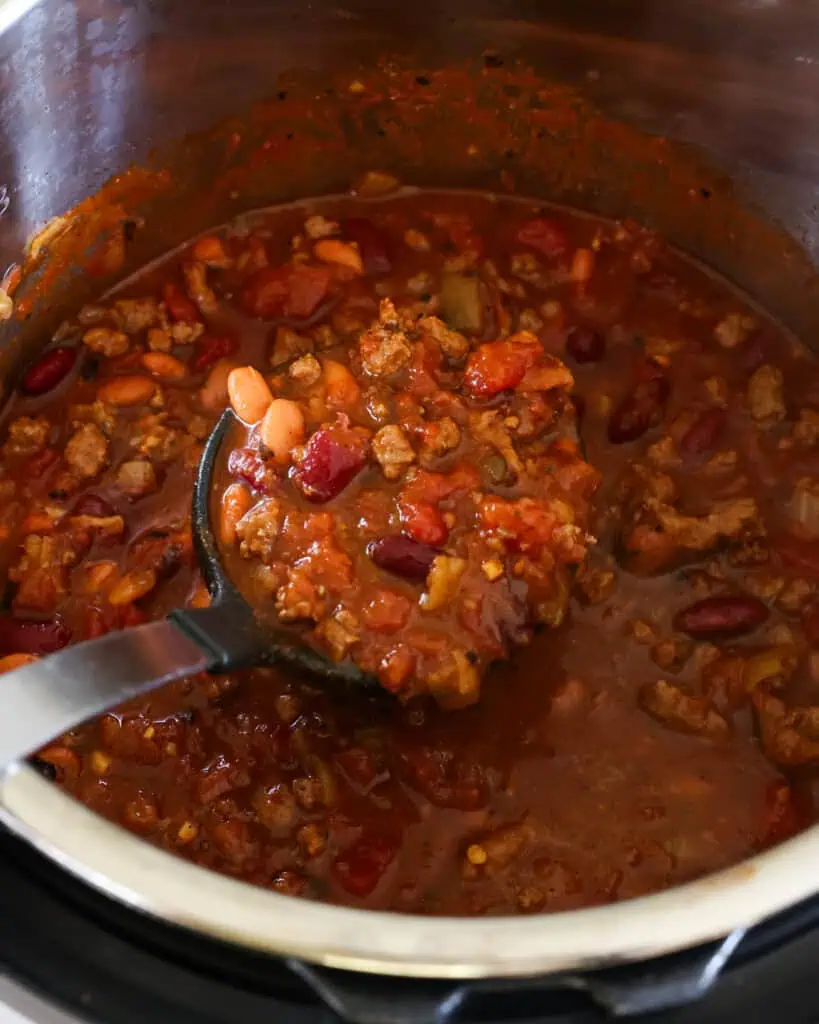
(249, 466)
(360, 868)
(585, 345)
(403, 556)
(544, 235)
(179, 306)
(209, 349)
(328, 466)
(638, 411)
(93, 505)
(32, 636)
(730, 614)
(703, 434)
(249, 394)
(50, 369)
(372, 243)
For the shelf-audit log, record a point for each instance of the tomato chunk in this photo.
(291, 291)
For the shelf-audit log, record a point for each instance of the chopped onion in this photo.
(776, 663)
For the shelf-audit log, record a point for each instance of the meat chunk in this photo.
(765, 398)
(733, 329)
(27, 436)
(106, 341)
(392, 451)
(806, 428)
(136, 478)
(443, 582)
(656, 535)
(790, 737)
(439, 438)
(385, 348)
(87, 451)
(258, 529)
(453, 344)
(306, 370)
(489, 428)
(197, 286)
(135, 315)
(339, 633)
(673, 707)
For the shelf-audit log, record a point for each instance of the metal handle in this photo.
(47, 698)
(625, 991)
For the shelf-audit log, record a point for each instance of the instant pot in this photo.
(152, 120)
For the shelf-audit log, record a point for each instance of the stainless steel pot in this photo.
(87, 86)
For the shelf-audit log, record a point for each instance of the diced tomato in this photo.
(210, 348)
(524, 524)
(386, 611)
(179, 306)
(500, 366)
(424, 523)
(289, 291)
(360, 868)
(544, 235)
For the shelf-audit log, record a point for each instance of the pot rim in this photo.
(150, 880)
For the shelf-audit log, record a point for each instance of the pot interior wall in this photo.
(491, 94)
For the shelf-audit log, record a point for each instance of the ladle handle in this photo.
(47, 698)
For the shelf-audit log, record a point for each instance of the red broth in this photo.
(664, 725)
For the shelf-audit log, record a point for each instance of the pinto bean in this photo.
(282, 428)
(126, 390)
(331, 250)
(249, 394)
(235, 502)
(164, 366)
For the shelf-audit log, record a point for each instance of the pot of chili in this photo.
(533, 460)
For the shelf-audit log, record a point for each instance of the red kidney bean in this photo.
(703, 434)
(32, 636)
(249, 466)
(93, 505)
(179, 306)
(210, 348)
(719, 616)
(585, 345)
(373, 244)
(360, 868)
(639, 411)
(327, 467)
(403, 556)
(545, 235)
(50, 369)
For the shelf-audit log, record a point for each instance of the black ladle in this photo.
(48, 697)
